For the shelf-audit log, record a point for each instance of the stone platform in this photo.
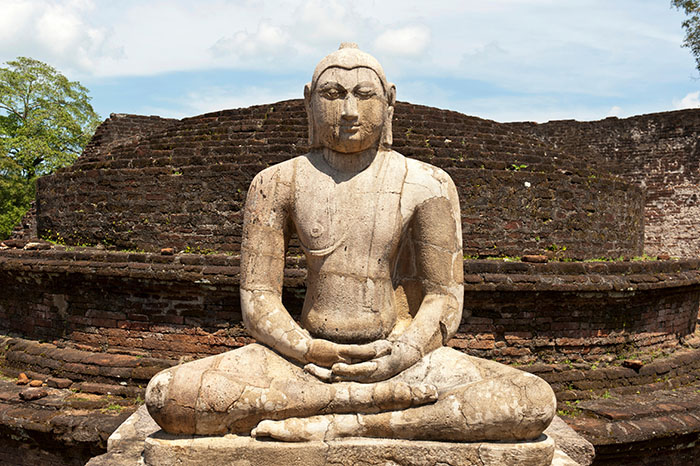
(165, 450)
(139, 441)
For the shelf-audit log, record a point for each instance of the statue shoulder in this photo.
(429, 180)
(275, 182)
(279, 172)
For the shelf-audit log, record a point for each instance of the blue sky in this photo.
(507, 60)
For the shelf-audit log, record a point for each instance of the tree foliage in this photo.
(691, 25)
(45, 121)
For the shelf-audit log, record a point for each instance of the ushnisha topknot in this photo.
(349, 56)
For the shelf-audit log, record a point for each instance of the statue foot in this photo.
(352, 397)
(391, 395)
(306, 429)
(422, 393)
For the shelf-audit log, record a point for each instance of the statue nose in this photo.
(349, 107)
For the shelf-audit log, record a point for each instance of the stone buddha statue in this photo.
(383, 245)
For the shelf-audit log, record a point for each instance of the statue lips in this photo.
(350, 130)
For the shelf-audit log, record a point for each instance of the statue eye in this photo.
(332, 93)
(364, 93)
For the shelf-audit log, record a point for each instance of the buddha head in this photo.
(349, 102)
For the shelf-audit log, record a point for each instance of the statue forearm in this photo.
(433, 325)
(269, 322)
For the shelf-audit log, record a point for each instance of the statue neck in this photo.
(349, 163)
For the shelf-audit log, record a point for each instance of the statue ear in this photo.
(391, 95)
(307, 93)
(309, 114)
(387, 137)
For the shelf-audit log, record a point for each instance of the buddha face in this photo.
(349, 108)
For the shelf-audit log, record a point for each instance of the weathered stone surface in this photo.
(535, 258)
(536, 311)
(577, 448)
(562, 459)
(22, 379)
(670, 322)
(58, 382)
(150, 177)
(165, 450)
(49, 431)
(635, 364)
(384, 295)
(33, 246)
(15, 243)
(126, 445)
(30, 394)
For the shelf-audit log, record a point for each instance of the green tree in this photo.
(691, 26)
(45, 121)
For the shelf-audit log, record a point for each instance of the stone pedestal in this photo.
(165, 450)
(140, 441)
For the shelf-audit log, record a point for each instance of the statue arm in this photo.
(265, 236)
(437, 239)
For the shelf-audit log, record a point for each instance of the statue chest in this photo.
(355, 224)
(331, 217)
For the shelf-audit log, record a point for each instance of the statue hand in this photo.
(401, 357)
(325, 353)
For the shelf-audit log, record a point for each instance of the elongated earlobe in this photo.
(391, 95)
(387, 138)
(310, 116)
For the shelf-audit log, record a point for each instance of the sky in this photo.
(506, 60)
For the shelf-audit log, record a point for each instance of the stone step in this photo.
(639, 428)
(46, 360)
(61, 428)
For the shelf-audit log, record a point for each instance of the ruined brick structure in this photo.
(109, 317)
(169, 306)
(659, 152)
(183, 186)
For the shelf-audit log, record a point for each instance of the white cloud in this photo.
(267, 39)
(59, 28)
(212, 99)
(324, 21)
(528, 45)
(274, 36)
(409, 41)
(15, 16)
(606, 53)
(60, 33)
(614, 111)
(691, 100)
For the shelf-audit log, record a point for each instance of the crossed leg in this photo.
(234, 391)
(478, 400)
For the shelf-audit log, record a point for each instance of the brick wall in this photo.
(659, 152)
(169, 306)
(182, 184)
(120, 129)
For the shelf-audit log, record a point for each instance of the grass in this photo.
(555, 248)
(571, 410)
(113, 408)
